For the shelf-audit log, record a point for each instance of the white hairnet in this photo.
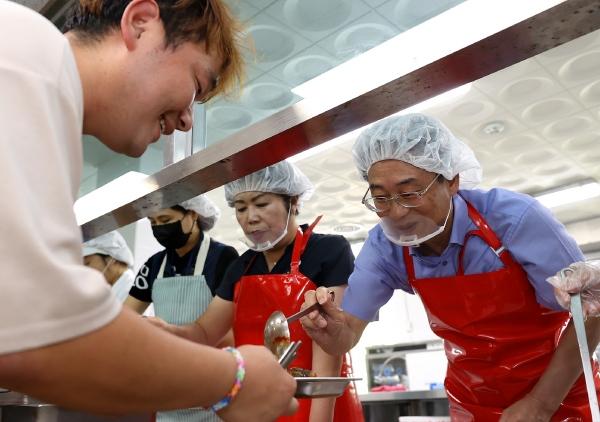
(111, 244)
(419, 140)
(282, 178)
(208, 212)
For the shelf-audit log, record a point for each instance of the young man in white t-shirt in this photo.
(125, 72)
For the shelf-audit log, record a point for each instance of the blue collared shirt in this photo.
(536, 240)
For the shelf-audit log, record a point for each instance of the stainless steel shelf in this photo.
(389, 396)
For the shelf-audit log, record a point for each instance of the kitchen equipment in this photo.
(277, 331)
(578, 321)
(315, 387)
(388, 364)
(289, 354)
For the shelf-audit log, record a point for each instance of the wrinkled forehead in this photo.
(254, 196)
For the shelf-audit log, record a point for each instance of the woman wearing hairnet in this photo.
(283, 262)
(478, 260)
(182, 279)
(110, 255)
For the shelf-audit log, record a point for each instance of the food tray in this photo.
(321, 386)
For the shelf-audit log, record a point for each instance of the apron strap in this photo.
(200, 258)
(300, 245)
(162, 266)
(202, 254)
(409, 264)
(486, 233)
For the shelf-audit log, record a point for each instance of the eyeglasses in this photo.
(406, 199)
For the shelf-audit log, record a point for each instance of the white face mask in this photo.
(267, 244)
(411, 239)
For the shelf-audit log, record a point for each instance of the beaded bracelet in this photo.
(237, 385)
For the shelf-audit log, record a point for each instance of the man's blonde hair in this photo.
(208, 21)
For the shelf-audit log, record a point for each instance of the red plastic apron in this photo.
(258, 296)
(498, 339)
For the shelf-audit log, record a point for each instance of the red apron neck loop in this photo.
(300, 245)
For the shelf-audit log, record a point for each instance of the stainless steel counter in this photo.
(16, 407)
(389, 405)
(402, 396)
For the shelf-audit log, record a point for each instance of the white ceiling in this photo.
(534, 126)
(296, 40)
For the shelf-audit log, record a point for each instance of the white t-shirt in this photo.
(46, 294)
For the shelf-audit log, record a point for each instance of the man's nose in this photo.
(397, 211)
(186, 120)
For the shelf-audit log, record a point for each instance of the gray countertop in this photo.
(11, 398)
(402, 396)
(17, 407)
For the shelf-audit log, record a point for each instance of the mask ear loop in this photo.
(193, 224)
(111, 261)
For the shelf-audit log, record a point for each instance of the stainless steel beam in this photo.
(307, 124)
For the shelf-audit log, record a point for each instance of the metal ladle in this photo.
(277, 330)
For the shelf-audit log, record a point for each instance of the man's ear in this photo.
(194, 214)
(454, 184)
(294, 205)
(137, 18)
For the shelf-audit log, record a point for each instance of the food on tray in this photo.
(301, 372)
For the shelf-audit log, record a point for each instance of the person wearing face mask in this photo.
(479, 261)
(283, 261)
(181, 280)
(110, 255)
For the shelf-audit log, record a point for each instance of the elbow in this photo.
(20, 370)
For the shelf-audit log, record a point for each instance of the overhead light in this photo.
(415, 48)
(112, 195)
(494, 128)
(409, 51)
(581, 191)
(436, 101)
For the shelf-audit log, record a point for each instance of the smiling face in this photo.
(158, 94)
(136, 87)
(263, 216)
(390, 177)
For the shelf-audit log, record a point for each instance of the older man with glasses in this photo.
(479, 261)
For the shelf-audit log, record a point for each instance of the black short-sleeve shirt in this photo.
(218, 259)
(327, 260)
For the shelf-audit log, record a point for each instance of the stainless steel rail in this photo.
(307, 124)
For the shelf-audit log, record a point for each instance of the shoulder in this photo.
(330, 242)
(507, 212)
(376, 240)
(34, 40)
(229, 250)
(39, 52)
(22, 19)
(487, 200)
(238, 266)
(156, 259)
(242, 261)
